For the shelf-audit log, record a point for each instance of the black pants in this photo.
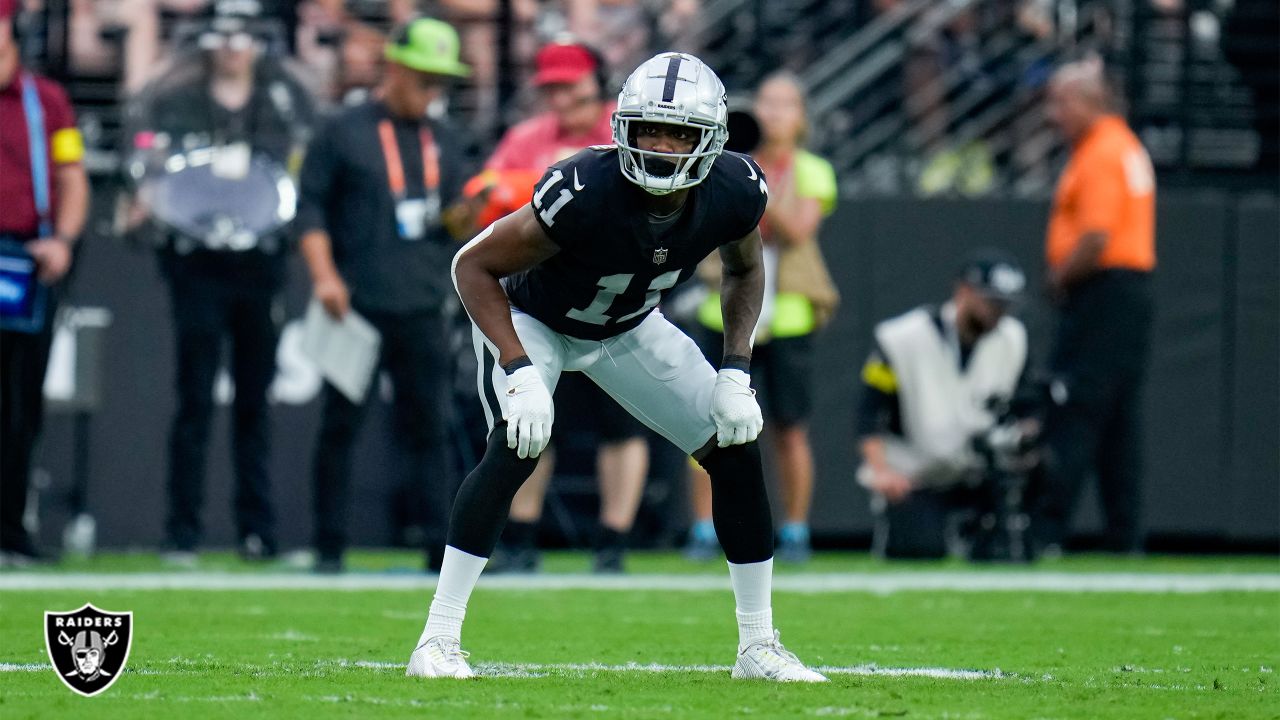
(1093, 426)
(23, 360)
(205, 310)
(415, 353)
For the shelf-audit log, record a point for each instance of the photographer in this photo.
(929, 387)
(212, 142)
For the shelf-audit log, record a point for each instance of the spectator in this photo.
(801, 298)
(44, 198)
(927, 391)
(1100, 252)
(342, 53)
(571, 79)
(478, 22)
(230, 99)
(373, 184)
(149, 28)
(629, 30)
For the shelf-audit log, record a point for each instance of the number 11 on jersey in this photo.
(611, 286)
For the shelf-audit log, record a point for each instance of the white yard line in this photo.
(878, 583)
(530, 670)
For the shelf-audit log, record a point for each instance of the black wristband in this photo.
(521, 362)
(736, 362)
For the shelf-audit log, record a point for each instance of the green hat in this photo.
(428, 46)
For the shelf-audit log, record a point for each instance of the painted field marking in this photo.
(533, 670)
(876, 583)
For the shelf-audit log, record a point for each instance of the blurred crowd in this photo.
(359, 135)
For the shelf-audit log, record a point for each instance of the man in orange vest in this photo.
(1100, 254)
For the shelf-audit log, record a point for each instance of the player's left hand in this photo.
(52, 256)
(734, 409)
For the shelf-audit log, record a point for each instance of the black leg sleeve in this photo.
(740, 503)
(481, 506)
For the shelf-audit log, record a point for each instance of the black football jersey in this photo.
(613, 267)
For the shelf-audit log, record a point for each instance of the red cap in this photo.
(8, 8)
(561, 63)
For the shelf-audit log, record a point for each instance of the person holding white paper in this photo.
(373, 185)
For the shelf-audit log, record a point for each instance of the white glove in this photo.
(734, 409)
(529, 412)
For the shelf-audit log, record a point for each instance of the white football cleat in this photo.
(439, 657)
(768, 660)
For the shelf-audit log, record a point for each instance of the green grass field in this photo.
(644, 653)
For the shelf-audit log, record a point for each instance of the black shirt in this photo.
(614, 266)
(275, 119)
(346, 192)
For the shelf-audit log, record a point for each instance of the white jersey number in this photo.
(548, 214)
(611, 286)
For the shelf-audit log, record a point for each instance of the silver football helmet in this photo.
(678, 89)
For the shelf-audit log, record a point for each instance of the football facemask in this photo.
(675, 89)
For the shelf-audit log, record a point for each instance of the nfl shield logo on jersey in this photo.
(659, 256)
(88, 647)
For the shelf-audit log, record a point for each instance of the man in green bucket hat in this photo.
(428, 46)
(372, 188)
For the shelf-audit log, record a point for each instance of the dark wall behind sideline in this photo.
(1212, 396)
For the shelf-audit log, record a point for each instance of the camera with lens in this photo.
(1009, 456)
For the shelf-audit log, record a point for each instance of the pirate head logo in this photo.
(659, 256)
(88, 647)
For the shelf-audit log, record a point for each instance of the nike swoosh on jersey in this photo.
(577, 186)
(749, 168)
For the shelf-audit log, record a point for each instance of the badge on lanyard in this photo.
(413, 215)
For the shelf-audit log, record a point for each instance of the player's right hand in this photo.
(530, 413)
(333, 296)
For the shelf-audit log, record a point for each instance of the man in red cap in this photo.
(44, 198)
(570, 79)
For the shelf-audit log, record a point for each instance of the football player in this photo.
(570, 283)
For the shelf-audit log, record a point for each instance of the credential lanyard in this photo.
(39, 152)
(395, 167)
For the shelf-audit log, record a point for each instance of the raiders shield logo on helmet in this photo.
(88, 647)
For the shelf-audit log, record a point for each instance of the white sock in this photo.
(752, 587)
(458, 575)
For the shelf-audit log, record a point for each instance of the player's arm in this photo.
(511, 245)
(741, 295)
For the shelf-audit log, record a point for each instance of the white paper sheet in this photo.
(345, 351)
